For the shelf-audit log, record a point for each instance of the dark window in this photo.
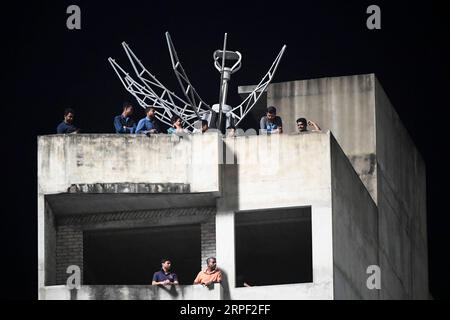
(273, 247)
(131, 256)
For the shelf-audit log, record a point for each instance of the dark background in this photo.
(46, 68)
(121, 256)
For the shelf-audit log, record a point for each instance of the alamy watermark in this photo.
(374, 20)
(374, 280)
(73, 22)
(74, 280)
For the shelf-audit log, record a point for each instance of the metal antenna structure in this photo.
(225, 76)
(149, 91)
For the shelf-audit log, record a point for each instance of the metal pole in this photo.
(224, 82)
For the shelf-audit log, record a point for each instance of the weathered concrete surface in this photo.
(132, 293)
(355, 230)
(50, 245)
(299, 291)
(401, 205)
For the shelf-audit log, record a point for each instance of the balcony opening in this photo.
(131, 256)
(273, 247)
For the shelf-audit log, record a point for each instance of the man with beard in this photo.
(210, 275)
(67, 125)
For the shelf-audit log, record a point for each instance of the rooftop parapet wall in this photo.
(294, 167)
(75, 163)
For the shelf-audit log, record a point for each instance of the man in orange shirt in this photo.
(211, 275)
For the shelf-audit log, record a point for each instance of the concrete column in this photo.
(225, 249)
(322, 243)
(41, 241)
(46, 244)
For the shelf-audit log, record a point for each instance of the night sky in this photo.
(47, 67)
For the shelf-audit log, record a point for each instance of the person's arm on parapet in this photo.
(314, 125)
(155, 281)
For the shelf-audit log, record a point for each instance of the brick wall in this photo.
(208, 238)
(69, 251)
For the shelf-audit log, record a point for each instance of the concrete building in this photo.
(326, 205)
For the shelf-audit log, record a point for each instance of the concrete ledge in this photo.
(134, 292)
(295, 291)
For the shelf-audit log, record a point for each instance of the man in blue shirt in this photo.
(164, 276)
(67, 125)
(149, 124)
(271, 123)
(123, 123)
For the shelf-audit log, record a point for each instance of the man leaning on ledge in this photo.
(210, 275)
(164, 276)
